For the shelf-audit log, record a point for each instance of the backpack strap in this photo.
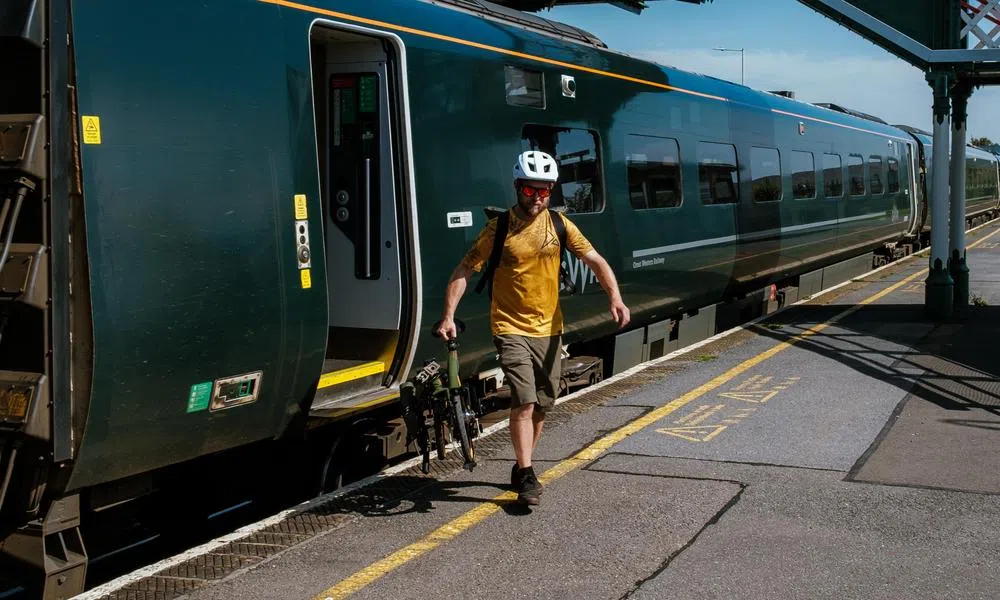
(500, 236)
(565, 281)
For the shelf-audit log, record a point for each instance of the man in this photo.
(526, 319)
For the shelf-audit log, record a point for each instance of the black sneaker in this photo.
(528, 488)
(514, 480)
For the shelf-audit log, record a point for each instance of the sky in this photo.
(787, 46)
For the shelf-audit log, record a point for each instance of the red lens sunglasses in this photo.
(531, 191)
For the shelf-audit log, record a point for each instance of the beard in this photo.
(532, 206)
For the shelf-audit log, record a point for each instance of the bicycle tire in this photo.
(468, 449)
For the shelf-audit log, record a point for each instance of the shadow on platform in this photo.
(944, 433)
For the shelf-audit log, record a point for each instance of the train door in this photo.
(364, 232)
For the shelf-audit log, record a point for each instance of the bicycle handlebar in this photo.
(459, 328)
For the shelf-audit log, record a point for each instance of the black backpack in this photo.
(503, 226)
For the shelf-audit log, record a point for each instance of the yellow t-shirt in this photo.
(526, 283)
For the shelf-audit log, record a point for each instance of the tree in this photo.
(982, 142)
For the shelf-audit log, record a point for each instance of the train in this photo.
(228, 227)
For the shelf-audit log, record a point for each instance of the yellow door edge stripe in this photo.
(453, 528)
(350, 374)
(471, 44)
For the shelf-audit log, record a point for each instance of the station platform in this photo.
(844, 447)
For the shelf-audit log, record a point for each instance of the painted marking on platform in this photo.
(701, 433)
(452, 529)
(914, 288)
(990, 246)
(700, 414)
(751, 390)
(91, 129)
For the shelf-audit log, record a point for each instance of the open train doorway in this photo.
(369, 234)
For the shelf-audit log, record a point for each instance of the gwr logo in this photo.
(579, 272)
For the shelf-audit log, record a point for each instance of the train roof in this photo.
(693, 81)
(498, 12)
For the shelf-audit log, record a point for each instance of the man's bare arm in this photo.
(601, 268)
(457, 285)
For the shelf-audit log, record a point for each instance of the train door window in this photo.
(654, 172)
(893, 177)
(718, 173)
(856, 175)
(576, 150)
(803, 175)
(765, 172)
(833, 176)
(875, 175)
(524, 87)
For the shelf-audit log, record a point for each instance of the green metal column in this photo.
(956, 256)
(939, 295)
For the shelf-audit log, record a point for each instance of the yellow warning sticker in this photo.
(306, 279)
(300, 207)
(91, 129)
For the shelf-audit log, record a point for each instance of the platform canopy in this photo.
(962, 35)
(636, 6)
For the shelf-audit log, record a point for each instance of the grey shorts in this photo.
(531, 368)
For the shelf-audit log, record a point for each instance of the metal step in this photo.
(348, 386)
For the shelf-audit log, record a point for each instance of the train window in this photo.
(765, 172)
(893, 179)
(856, 175)
(875, 174)
(524, 87)
(576, 151)
(718, 174)
(654, 172)
(833, 176)
(803, 175)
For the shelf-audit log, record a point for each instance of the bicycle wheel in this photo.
(468, 449)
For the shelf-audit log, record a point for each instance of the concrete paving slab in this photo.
(800, 533)
(595, 536)
(818, 405)
(931, 446)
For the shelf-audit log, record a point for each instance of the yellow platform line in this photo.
(350, 374)
(453, 528)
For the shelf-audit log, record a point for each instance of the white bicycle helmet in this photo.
(537, 166)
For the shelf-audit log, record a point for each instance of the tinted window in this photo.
(803, 175)
(579, 188)
(833, 176)
(718, 177)
(893, 179)
(856, 175)
(524, 87)
(765, 171)
(875, 174)
(654, 172)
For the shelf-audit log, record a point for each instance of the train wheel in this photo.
(330, 476)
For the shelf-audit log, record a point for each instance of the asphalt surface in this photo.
(860, 462)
